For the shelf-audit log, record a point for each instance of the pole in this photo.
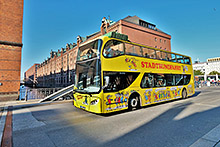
(26, 94)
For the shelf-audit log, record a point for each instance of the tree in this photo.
(198, 72)
(214, 73)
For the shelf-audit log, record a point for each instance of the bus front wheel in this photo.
(184, 94)
(133, 103)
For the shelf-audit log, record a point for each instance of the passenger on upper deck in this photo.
(90, 53)
(146, 55)
(108, 52)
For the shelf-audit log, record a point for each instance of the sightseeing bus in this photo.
(114, 74)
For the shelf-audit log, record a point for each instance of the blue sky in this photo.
(194, 25)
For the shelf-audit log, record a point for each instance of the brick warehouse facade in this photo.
(59, 69)
(11, 20)
(30, 76)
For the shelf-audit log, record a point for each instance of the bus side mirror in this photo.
(106, 82)
(74, 89)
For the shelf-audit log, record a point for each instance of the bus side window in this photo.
(179, 79)
(173, 58)
(147, 81)
(158, 54)
(149, 53)
(168, 57)
(170, 80)
(179, 59)
(113, 48)
(138, 50)
(131, 49)
(186, 79)
(160, 80)
(164, 56)
(187, 60)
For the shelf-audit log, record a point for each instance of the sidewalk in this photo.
(6, 118)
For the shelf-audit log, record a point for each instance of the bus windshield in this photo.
(89, 50)
(88, 76)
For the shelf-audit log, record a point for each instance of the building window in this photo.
(155, 39)
(165, 41)
(146, 24)
(160, 40)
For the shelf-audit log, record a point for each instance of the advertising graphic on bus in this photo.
(114, 74)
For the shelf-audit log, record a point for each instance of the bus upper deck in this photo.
(122, 46)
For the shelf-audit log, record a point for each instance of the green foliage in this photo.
(214, 73)
(198, 72)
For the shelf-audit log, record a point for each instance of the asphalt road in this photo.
(176, 123)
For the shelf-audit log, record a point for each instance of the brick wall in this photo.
(11, 18)
(30, 75)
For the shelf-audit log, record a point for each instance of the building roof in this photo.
(213, 59)
(138, 21)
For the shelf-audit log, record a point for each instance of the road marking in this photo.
(208, 105)
(7, 134)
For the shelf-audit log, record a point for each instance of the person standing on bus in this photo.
(108, 52)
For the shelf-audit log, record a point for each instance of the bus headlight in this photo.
(94, 102)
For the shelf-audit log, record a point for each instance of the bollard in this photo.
(26, 94)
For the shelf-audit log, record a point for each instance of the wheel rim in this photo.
(184, 93)
(133, 103)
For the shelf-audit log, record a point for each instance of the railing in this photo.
(199, 84)
(67, 91)
(27, 93)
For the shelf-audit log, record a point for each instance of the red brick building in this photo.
(59, 69)
(30, 76)
(11, 19)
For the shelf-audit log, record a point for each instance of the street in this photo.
(175, 123)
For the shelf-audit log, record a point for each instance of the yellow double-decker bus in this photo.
(114, 74)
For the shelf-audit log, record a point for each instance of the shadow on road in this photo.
(166, 130)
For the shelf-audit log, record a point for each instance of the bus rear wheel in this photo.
(184, 94)
(133, 103)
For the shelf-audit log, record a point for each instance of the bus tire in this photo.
(133, 103)
(184, 93)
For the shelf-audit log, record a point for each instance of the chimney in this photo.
(79, 40)
(67, 47)
(104, 26)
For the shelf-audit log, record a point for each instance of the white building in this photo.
(200, 66)
(212, 64)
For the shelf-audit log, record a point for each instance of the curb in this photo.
(212, 138)
(7, 133)
(35, 104)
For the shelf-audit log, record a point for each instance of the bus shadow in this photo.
(157, 131)
(195, 94)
